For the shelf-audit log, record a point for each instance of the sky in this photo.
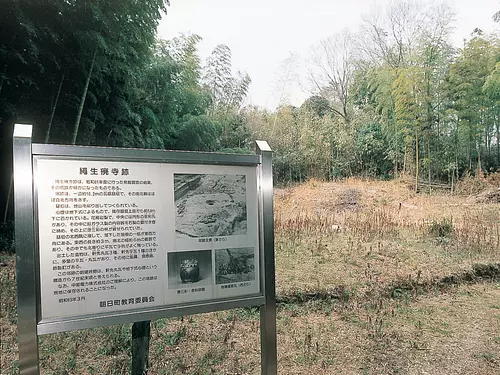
(263, 34)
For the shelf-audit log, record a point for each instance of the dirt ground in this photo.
(372, 278)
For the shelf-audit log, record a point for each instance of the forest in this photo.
(395, 97)
(372, 274)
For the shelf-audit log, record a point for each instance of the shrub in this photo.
(441, 229)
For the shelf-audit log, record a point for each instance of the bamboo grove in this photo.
(393, 98)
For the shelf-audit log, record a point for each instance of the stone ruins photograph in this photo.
(210, 205)
(234, 265)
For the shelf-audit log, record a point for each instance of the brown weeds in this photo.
(371, 279)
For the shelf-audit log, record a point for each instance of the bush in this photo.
(441, 229)
(7, 237)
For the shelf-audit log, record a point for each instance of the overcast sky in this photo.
(263, 33)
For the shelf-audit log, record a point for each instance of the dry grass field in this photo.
(372, 278)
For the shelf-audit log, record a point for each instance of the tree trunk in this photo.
(82, 99)
(396, 156)
(416, 162)
(452, 180)
(429, 170)
(140, 347)
(109, 135)
(3, 76)
(47, 134)
(488, 142)
(456, 151)
(274, 123)
(498, 144)
(469, 150)
(7, 203)
(438, 120)
(404, 158)
(396, 150)
(479, 166)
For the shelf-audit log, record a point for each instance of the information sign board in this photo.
(116, 235)
(110, 236)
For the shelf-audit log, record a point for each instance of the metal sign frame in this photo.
(30, 326)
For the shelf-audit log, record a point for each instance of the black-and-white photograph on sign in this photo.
(189, 269)
(234, 265)
(210, 205)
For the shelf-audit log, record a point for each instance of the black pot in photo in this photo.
(190, 271)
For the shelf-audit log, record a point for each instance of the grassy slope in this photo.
(370, 246)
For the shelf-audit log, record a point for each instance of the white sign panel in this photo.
(118, 236)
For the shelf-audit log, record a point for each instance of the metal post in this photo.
(141, 332)
(25, 250)
(268, 310)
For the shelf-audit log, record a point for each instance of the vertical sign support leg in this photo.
(268, 310)
(25, 251)
(140, 347)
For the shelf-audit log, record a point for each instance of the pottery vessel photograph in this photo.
(189, 271)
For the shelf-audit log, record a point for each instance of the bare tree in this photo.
(390, 38)
(332, 69)
(286, 77)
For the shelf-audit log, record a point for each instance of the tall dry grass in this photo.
(329, 233)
